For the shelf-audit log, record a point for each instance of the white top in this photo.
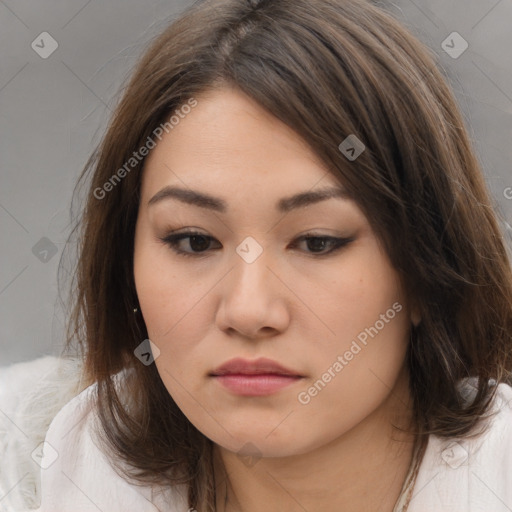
(78, 476)
(466, 475)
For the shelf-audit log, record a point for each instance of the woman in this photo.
(290, 265)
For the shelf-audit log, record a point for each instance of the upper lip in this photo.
(257, 367)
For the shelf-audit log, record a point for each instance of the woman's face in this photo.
(251, 284)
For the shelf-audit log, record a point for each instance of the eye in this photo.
(317, 244)
(197, 243)
(193, 243)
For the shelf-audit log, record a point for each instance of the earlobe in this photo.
(415, 316)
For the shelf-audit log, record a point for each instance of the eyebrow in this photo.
(284, 205)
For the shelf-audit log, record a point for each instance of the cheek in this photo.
(359, 361)
(177, 313)
(169, 297)
(350, 382)
(362, 294)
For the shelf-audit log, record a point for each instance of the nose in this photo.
(253, 300)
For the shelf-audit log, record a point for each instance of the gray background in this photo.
(54, 111)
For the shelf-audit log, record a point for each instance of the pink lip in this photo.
(254, 378)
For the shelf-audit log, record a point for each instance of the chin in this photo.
(262, 442)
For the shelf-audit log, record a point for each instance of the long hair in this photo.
(328, 69)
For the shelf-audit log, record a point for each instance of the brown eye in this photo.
(322, 245)
(190, 243)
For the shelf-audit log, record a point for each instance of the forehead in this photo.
(228, 139)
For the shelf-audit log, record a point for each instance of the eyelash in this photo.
(173, 240)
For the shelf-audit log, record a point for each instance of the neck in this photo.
(362, 469)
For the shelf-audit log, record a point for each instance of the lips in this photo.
(258, 378)
(262, 366)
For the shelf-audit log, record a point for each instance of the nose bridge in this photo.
(250, 273)
(250, 303)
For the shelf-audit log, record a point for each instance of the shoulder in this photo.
(76, 474)
(470, 474)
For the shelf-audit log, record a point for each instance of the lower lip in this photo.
(255, 385)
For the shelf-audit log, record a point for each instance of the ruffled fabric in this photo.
(31, 394)
(50, 459)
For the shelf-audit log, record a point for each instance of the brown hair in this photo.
(328, 69)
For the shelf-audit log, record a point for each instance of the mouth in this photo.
(254, 378)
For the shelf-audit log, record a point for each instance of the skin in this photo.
(292, 305)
